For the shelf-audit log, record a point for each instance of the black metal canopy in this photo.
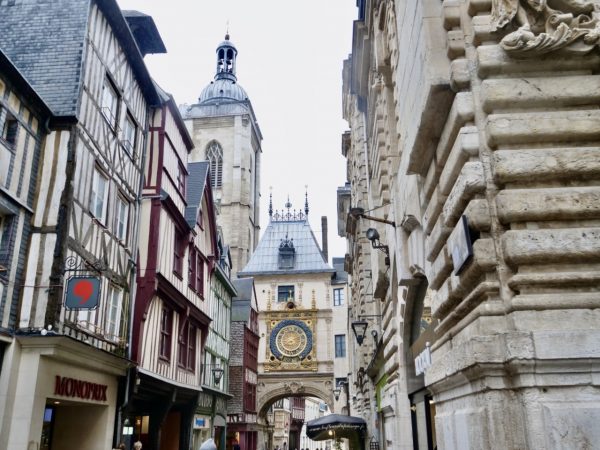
(336, 426)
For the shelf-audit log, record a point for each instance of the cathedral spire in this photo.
(226, 56)
(271, 203)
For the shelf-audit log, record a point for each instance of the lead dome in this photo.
(224, 87)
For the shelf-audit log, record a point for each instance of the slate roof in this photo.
(45, 40)
(198, 172)
(240, 305)
(308, 256)
(46, 44)
(341, 276)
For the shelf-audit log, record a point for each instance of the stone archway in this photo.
(272, 387)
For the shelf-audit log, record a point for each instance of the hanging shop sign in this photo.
(85, 390)
(201, 421)
(461, 245)
(83, 292)
(423, 360)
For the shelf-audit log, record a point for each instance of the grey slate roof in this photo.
(241, 303)
(308, 258)
(45, 42)
(195, 188)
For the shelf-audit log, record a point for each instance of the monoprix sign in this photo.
(82, 292)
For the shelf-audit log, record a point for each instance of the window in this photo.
(187, 348)
(192, 267)
(340, 345)
(10, 129)
(196, 270)
(122, 218)
(181, 174)
(113, 313)
(250, 397)
(99, 196)
(178, 252)
(110, 102)
(338, 297)
(199, 274)
(166, 329)
(214, 155)
(285, 293)
(129, 134)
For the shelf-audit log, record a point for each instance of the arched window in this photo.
(214, 155)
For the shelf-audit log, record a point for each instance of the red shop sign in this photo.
(70, 387)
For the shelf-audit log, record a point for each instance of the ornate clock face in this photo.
(291, 339)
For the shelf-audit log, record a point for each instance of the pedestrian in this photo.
(137, 445)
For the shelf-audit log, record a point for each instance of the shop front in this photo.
(65, 397)
(418, 359)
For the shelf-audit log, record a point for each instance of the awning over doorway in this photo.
(348, 427)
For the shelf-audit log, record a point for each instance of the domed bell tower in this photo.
(226, 55)
(226, 133)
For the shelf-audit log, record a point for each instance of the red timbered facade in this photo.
(178, 247)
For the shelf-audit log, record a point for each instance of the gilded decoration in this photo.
(291, 339)
(545, 26)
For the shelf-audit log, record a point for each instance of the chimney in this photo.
(324, 237)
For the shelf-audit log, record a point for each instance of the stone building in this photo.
(68, 359)
(296, 354)
(225, 132)
(473, 161)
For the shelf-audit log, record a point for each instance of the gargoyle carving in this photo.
(548, 25)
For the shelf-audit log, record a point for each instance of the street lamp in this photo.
(373, 236)
(336, 393)
(360, 328)
(217, 374)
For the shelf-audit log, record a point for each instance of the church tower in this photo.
(225, 133)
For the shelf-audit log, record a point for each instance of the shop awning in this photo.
(336, 426)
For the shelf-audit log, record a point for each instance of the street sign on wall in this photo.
(83, 292)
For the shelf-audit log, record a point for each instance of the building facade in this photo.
(172, 314)
(225, 132)
(22, 117)
(69, 359)
(472, 164)
(294, 292)
(243, 366)
(215, 382)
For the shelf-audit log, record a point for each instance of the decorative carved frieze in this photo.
(547, 25)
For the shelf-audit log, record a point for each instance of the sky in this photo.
(290, 56)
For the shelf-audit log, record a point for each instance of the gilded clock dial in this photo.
(291, 340)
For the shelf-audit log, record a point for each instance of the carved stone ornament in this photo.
(545, 26)
(294, 387)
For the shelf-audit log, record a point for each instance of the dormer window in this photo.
(287, 253)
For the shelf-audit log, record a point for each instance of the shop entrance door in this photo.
(47, 428)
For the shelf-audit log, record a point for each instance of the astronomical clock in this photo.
(291, 344)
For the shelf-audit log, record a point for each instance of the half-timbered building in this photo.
(23, 115)
(178, 247)
(71, 352)
(215, 382)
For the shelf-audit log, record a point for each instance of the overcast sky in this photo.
(290, 57)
